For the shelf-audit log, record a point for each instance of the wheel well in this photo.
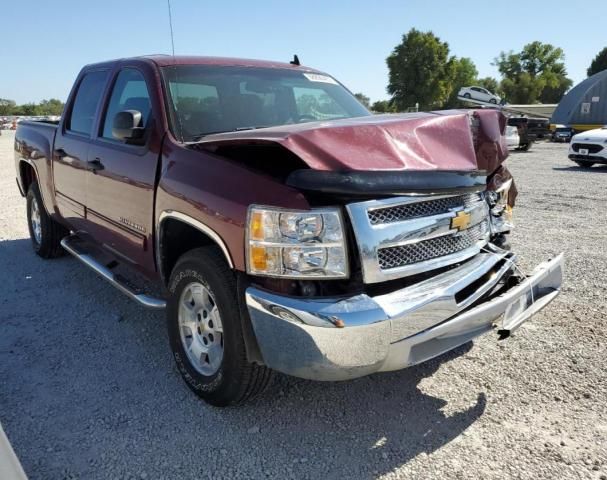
(28, 175)
(176, 238)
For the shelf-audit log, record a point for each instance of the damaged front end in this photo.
(418, 208)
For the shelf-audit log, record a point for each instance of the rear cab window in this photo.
(86, 102)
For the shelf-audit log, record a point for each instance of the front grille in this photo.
(428, 208)
(591, 147)
(393, 257)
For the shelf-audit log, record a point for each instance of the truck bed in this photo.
(34, 143)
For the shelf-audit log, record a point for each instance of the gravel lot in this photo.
(88, 388)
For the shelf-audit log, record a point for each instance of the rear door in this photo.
(72, 141)
(120, 185)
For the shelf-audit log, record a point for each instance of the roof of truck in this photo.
(166, 60)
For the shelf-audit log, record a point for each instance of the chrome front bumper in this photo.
(344, 338)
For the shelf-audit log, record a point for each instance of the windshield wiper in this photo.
(240, 129)
(237, 129)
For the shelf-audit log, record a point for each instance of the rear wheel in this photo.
(584, 164)
(205, 330)
(467, 95)
(45, 233)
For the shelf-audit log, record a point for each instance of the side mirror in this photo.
(127, 125)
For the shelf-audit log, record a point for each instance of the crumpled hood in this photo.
(441, 140)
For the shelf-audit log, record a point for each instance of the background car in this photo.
(562, 134)
(525, 138)
(480, 94)
(512, 137)
(588, 148)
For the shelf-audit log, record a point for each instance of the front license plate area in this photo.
(583, 151)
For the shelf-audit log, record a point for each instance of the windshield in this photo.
(206, 99)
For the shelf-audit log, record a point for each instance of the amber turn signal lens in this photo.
(256, 227)
(259, 259)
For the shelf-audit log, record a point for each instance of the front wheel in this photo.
(493, 101)
(45, 233)
(205, 330)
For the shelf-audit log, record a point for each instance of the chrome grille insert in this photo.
(394, 257)
(427, 208)
(402, 236)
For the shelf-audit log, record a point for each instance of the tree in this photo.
(490, 84)
(51, 107)
(6, 106)
(420, 71)
(599, 63)
(383, 106)
(366, 101)
(522, 89)
(536, 74)
(29, 109)
(465, 74)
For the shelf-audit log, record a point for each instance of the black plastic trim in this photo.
(393, 182)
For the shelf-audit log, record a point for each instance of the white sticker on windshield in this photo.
(317, 77)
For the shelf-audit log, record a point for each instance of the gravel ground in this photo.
(88, 388)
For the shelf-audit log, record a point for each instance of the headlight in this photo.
(501, 212)
(296, 244)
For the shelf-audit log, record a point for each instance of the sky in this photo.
(45, 43)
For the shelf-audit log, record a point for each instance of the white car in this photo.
(589, 147)
(479, 94)
(512, 138)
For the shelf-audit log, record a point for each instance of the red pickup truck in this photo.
(281, 224)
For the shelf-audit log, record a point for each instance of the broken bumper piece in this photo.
(344, 338)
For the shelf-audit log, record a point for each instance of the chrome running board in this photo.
(68, 243)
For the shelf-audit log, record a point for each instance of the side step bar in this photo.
(107, 274)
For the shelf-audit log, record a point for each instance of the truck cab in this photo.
(279, 223)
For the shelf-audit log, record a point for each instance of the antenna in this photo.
(175, 73)
(171, 25)
(295, 61)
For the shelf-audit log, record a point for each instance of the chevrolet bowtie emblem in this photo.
(460, 221)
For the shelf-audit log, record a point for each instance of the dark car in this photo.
(525, 138)
(562, 134)
(539, 127)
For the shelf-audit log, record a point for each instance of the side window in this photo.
(129, 93)
(85, 104)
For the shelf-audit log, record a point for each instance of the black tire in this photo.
(584, 164)
(467, 95)
(236, 380)
(48, 244)
(493, 101)
(525, 147)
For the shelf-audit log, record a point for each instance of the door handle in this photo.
(95, 164)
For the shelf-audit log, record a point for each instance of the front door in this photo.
(120, 182)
